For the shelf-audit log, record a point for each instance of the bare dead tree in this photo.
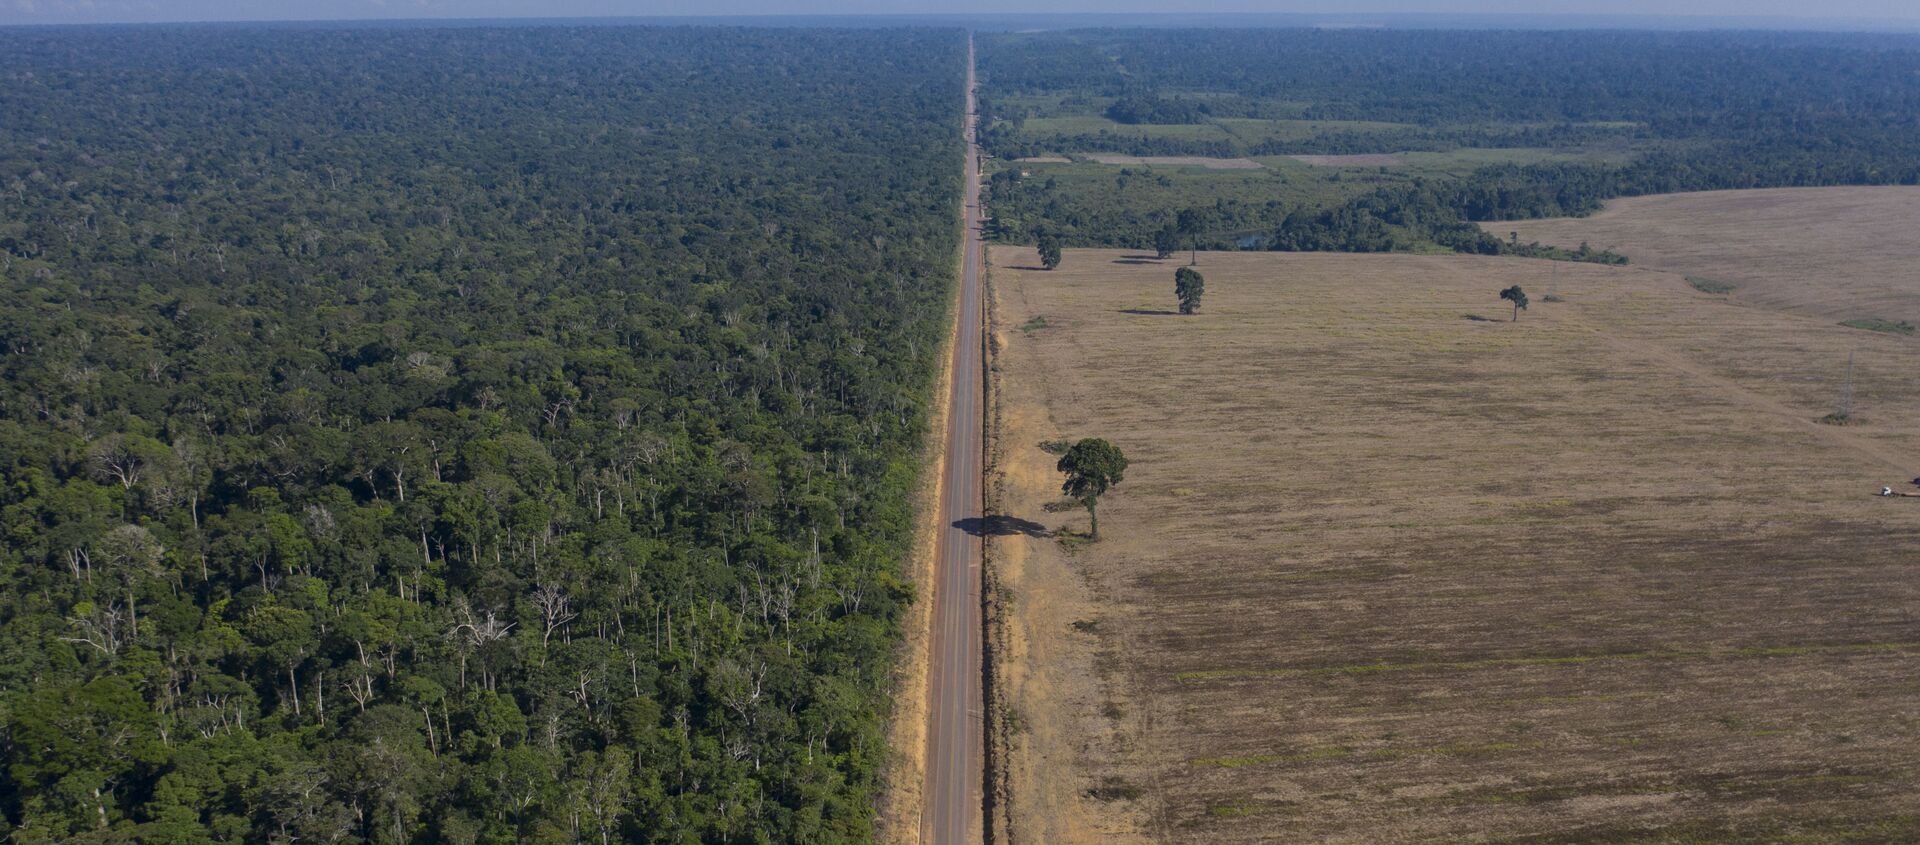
(112, 459)
(471, 633)
(555, 610)
(105, 628)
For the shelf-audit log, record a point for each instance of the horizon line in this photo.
(1781, 22)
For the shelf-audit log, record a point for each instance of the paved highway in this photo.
(955, 749)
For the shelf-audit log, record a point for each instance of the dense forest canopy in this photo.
(461, 435)
(1696, 111)
(1669, 80)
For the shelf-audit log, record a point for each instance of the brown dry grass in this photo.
(1840, 253)
(1384, 574)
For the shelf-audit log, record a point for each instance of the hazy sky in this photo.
(90, 11)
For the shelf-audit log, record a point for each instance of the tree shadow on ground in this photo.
(1153, 258)
(1149, 312)
(1001, 525)
(1020, 267)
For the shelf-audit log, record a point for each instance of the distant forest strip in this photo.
(463, 435)
(1703, 111)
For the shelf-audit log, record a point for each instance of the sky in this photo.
(1818, 13)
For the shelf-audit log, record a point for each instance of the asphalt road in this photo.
(955, 741)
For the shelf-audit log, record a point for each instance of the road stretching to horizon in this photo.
(956, 757)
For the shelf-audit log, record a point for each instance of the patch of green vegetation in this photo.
(1235, 808)
(1465, 160)
(1480, 147)
(1054, 447)
(1035, 324)
(1874, 324)
(1710, 286)
(1094, 204)
(1072, 540)
(1114, 788)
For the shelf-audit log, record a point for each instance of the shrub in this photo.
(1874, 324)
(1710, 286)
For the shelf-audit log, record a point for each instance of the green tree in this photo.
(86, 741)
(1188, 285)
(1192, 222)
(1049, 250)
(1165, 242)
(1092, 466)
(1516, 296)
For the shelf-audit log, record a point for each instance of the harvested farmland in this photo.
(1383, 572)
(1846, 253)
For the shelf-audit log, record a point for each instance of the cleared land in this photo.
(1384, 573)
(1465, 160)
(1359, 160)
(1243, 129)
(1840, 253)
(1178, 161)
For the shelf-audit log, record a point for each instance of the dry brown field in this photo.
(1840, 253)
(1388, 568)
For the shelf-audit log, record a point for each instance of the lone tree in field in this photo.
(1049, 250)
(1188, 285)
(1516, 296)
(1092, 466)
(1192, 222)
(1166, 242)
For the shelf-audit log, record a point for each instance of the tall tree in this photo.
(1092, 466)
(1049, 250)
(1192, 222)
(1165, 242)
(1188, 285)
(1516, 296)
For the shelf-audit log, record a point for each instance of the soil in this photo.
(1383, 573)
(1838, 253)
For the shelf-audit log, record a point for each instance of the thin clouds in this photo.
(1827, 12)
